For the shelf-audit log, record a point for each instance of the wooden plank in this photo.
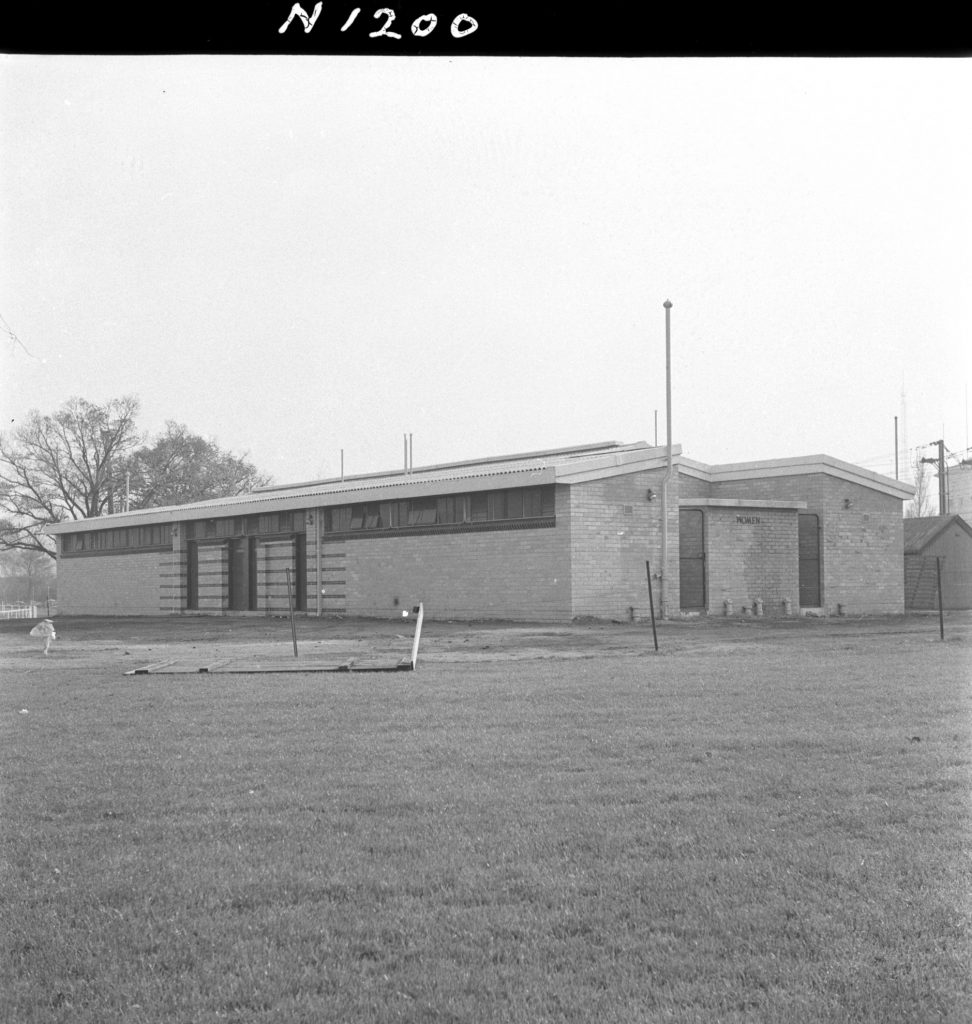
(146, 669)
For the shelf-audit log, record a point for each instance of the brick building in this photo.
(550, 535)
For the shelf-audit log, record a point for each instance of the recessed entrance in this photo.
(242, 575)
(691, 559)
(809, 544)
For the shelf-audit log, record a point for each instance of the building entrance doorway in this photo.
(691, 559)
(809, 545)
(242, 575)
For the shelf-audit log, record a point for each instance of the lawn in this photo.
(769, 826)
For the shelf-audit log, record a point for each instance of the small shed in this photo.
(926, 539)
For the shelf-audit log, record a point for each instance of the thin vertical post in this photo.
(651, 604)
(941, 612)
(317, 558)
(942, 481)
(666, 480)
(290, 601)
(418, 633)
(896, 447)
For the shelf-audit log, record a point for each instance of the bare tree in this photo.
(61, 467)
(24, 573)
(920, 504)
(179, 467)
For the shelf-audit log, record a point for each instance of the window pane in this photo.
(531, 502)
(479, 507)
(514, 504)
(547, 500)
(446, 510)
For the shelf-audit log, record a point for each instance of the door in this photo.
(242, 574)
(300, 572)
(691, 559)
(192, 575)
(809, 545)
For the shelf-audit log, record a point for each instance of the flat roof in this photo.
(564, 465)
(796, 466)
(576, 465)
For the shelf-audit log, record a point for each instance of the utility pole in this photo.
(942, 481)
(942, 478)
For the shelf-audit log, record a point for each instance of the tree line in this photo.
(87, 460)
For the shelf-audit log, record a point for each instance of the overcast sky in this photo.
(299, 255)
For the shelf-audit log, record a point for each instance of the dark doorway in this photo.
(300, 573)
(242, 574)
(691, 559)
(809, 544)
(192, 575)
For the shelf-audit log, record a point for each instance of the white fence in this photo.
(18, 611)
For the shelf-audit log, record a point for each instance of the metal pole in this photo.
(290, 601)
(941, 612)
(942, 491)
(317, 554)
(896, 447)
(668, 472)
(651, 605)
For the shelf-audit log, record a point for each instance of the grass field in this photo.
(757, 824)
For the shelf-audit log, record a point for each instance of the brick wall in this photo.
(692, 487)
(862, 547)
(863, 550)
(752, 554)
(273, 559)
(213, 592)
(123, 584)
(614, 529)
(334, 578)
(172, 583)
(522, 573)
